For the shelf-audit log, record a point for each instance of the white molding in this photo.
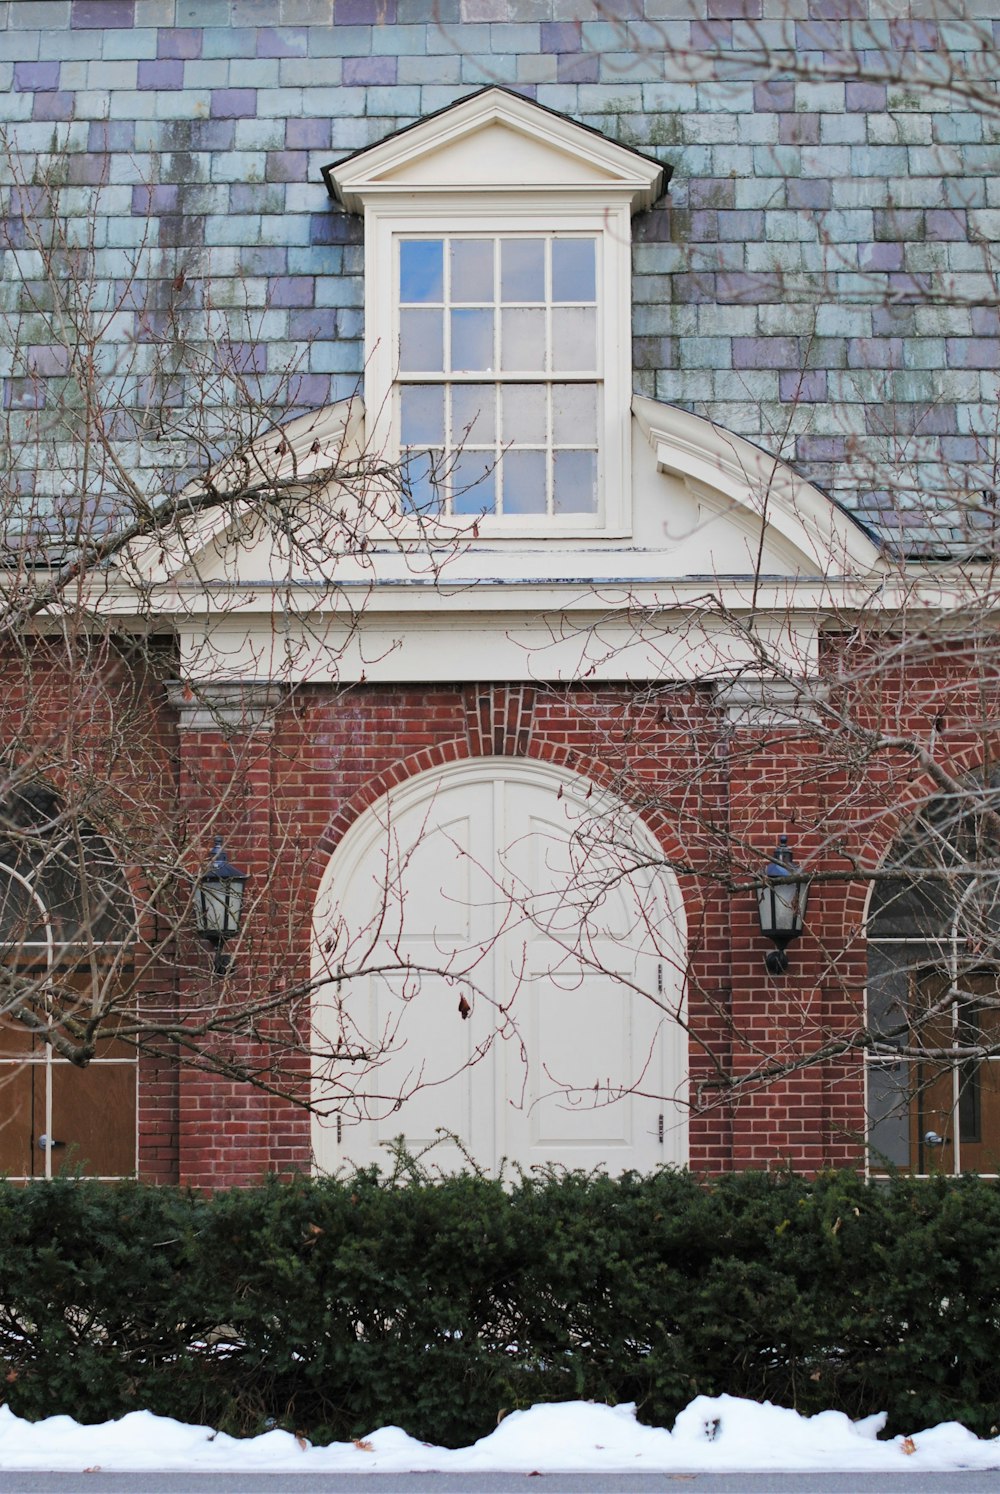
(235, 706)
(751, 703)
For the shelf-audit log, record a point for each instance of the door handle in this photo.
(45, 1145)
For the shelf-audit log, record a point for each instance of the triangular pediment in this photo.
(497, 139)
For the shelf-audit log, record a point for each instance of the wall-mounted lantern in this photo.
(781, 905)
(219, 905)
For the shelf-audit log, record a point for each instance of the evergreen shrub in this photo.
(333, 1307)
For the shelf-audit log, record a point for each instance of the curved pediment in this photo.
(752, 512)
(727, 552)
(706, 507)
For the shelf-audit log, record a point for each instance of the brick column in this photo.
(777, 786)
(226, 776)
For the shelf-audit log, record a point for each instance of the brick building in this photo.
(587, 433)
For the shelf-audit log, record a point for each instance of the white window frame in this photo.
(385, 229)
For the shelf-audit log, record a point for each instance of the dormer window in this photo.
(497, 316)
(499, 375)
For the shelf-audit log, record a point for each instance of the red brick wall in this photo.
(716, 798)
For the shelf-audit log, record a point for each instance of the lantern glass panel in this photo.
(220, 902)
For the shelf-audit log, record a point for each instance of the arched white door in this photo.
(510, 973)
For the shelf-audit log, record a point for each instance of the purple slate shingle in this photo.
(234, 103)
(155, 200)
(320, 322)
(178, 41)
(578, 67)
(808, 192)
(282, 41)
(164, 72)
(58, 105)
(102, 15)
(310, 391)
(798, 129)
(561, 36)
(308, 134)
(874, 352)
(882, 256)
(111, 135)
(734, 10)
(243, 357)
(837, 10)
(914, 36)
(946, 224)
(808, 385)
(48, 360)
(286, 166)
(778, 94)
(364, 12)
(361, 71)
(292, 290)
(765, 352)
(867, 97)
(973, 352)
(31, 77)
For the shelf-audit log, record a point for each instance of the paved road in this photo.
(500, 1483)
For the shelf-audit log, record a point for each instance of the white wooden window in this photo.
(499, 386)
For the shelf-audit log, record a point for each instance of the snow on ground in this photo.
(717, 1434)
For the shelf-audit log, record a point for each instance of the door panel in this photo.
(15, 1120)
(958, 1101)
(495, 877)
(93, 1118)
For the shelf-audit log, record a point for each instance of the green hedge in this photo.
(336, 1307)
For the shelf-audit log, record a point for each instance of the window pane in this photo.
(523, 339)
(421, 341)
(889, 1115)
(524, 482)
(574, 338)
(574, 482)
(473, 483)
(525, 417)
(420, 270)
(573, 270)
(892, 984)
(472, 270)
(574, 413)
(471, 340)
(421, 415)
(522, 270)
(473, 414)
(419, 474)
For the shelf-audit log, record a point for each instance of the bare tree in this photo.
(147, 452)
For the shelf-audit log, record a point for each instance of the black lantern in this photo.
(781, 904)
(219, 904)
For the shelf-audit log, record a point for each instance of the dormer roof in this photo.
(498, 138)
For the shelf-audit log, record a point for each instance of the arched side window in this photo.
(933, 1078)
(66, 933)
